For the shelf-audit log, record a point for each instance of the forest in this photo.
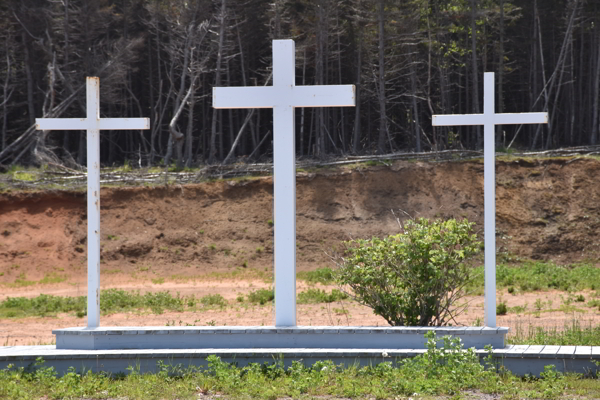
(409, 60)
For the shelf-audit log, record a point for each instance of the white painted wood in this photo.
(284, 96)
(93, 124)
(534, 350)
(489, 119)
(583, 351)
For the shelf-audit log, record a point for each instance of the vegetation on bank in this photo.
(443, 371)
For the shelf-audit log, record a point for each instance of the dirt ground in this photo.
(188, 238)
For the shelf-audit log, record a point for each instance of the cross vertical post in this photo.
(489, 119)
(284, 190)
(489, 199)
(93, 203)
(283, 97)
(93, 124)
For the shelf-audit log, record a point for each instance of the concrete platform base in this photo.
(520, 360)
(253, 337)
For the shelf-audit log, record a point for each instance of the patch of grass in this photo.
(52, 277)
(533, 276)
(444, 371)
(213, 300)
(21, 281)
(573, 334)
(111, 301)
(501, 308)
(158, 281)
(314, 296)
(322, 275)
(261, 296)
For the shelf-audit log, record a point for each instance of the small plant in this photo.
(212, 322)
(213, 247)
(511, 289)
(261, 296)
(580, 298)
(158, 281)
(112, 237)
(501, 308)
(259, 250)
(270, 223)
(213, 300)
(539, 304)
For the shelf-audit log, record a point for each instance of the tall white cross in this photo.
(283, 97)
(489, 119)
(93, 124)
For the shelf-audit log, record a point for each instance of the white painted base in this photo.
(251, 337)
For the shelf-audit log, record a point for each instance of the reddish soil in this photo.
(546, 209)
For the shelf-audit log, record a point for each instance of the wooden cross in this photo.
(93, 124)
(489, 119)
(283, 97)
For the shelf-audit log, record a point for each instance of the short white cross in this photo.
(489, 119)
(93, 124)
(283, 97)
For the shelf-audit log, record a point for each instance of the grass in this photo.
(315, 296)
(572, 334)
(443, 371)
(322, 275)
(529, 276)
(111, 301)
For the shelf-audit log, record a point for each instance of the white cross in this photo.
(283, 97)
(93, 124)
(489, 119)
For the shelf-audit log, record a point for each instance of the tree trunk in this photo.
(476, 109)
(500, 100)
(381, 81)
(215, 116)
(594, 136)
(356, 139)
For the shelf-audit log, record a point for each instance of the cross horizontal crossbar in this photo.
(495, 119)
(284, 96)
(77, 124)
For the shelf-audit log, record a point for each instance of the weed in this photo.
(324, 275)
(314, 296)
(501, 308)
(52, 277)
(213, 300)
(270, 223)
(261, 296)
(158, 281)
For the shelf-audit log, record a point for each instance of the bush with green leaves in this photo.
(415, 278)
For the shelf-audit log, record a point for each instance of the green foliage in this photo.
(572, 334)
(261, 296)
(501, 308)
(406, 278)
(540, 275)
(213, 300)
(314, 296)
(111, 301)
(324, 275)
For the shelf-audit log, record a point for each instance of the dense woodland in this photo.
(409, 59)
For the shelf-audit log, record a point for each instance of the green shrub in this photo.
(416, 277)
